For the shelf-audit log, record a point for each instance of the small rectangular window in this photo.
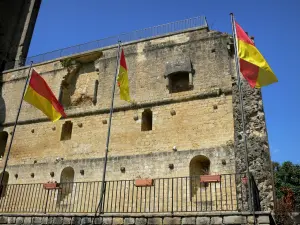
(179, 82)
(66, 131)
(146, 120)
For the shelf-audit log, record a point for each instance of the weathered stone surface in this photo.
(250, 219)
(107, 220)
(50, 220)
(140, 221)
(234, 219)
(11, 220)
(263, 219)
(76, 220)
(203, 220)
(36, 220)
(86, 220)
(188, 220)
(129, 221)
(58, 220)
(216, 220)
(27, 220)
(172, 220)
(67, 220)
(155, 221)
(20, 220)
(98, 220)
(3, 219)
(118, 221)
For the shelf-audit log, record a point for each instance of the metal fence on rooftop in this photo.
(151, 32)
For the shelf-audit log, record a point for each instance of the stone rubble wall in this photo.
(205, 219)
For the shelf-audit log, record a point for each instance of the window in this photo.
(66, 131)
(5, 182)
(3, 140)
(179, 82)
(146, 120)
(66, 184)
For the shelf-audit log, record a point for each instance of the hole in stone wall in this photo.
(66, 184)
(5, 182)
(179, 82)
(199, 165)
(3, 140)
(66, 131)
(146, 120)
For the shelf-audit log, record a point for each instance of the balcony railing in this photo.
(180, 194)
(151, 32)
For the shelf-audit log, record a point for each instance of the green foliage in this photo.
(66, 62)
(287, 175)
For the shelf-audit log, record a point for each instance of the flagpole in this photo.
(100, 208)
(251, 203)
(14, 129)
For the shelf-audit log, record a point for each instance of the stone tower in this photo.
(17, 20)
(182, 128)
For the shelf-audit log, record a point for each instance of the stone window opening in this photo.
(199, 165)
(66, 184)
(3, 187)
(179, 82)
(3, 141)
(66, 132)
(147, 120)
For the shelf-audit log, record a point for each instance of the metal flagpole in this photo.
(251, 203)
(100, 208)
(14, 130)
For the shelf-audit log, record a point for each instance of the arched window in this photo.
(146, 120)
(66, 183)
(199, 165)
(3, 188)
(3, 140)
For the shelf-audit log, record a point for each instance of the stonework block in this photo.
(58, 220)
(234, 219)
(118, 221)
(20, 220)
(49, 220)
(250, 219)
(172, 220)
(98, 220)
(216, 220)
(67, 220)
(140, 221)
(86, 220)
(11, 220)
(36, 220)
(188, 220)
(263, 219)
(203, 220)
(155, 221)
(107, 220)
(3, 219)
(76, 220)
(27, 220)
(129, 221)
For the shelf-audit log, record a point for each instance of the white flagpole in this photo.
(251, 202)
(100, 205)
(14, 129)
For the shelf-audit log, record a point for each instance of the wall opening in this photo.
(66, 184)
(199, 165)
(3, 188)
(179, 82)
(66, 131)
(3, 141)
(146, 120)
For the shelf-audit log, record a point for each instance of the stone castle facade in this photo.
(184, 120)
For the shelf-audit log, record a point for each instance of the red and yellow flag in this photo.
(40, 95)
(122, 79)
(253, 65)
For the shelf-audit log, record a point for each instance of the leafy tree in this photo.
(287, 176)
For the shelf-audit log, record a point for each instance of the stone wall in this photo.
(262, 218)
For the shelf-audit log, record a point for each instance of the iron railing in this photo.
(160, 30)
(180, 194)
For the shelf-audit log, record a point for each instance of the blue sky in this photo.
(275, 25)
